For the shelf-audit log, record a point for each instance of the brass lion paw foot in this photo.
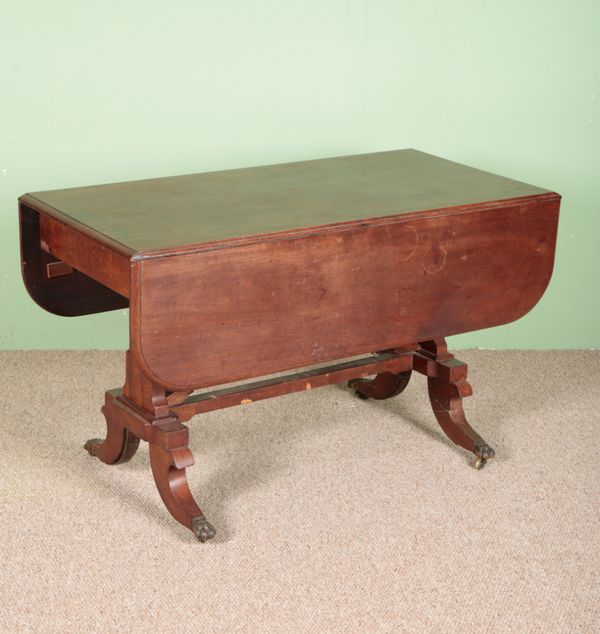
(203, 529)
(483, 453)
(91, 445)
(358, 393)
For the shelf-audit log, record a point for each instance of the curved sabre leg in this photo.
(168, 469)
(384, 385)
(169, 455)
(447, 384)
(446, 402)
(119, 445)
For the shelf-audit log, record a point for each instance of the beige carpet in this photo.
(333, 514)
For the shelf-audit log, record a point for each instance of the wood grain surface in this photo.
(180, 210)
(217, 315)
(69, 295)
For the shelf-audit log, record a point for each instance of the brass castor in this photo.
(483, 453)
(203, 529)
(91, 444)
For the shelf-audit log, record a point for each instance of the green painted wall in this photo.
(110, 91)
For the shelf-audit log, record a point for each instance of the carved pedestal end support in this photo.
(119, 445)
(447, 384)
(169, 453)
(384, 385)
(168, 469)
(446, 402)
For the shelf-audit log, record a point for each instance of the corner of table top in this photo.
(31, 201)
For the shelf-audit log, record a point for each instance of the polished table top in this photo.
(192, 209)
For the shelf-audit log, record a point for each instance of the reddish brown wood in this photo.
(384, 385)
(348, 291)
(241, 274)
(168, 450)
(180, 212)
(64, 242)
(170, 434)
(168, 469)
(120, 443)
(447, 384)
(149, 397)
(57, 269)
(73, 223)
(295, 382)
(69, 296)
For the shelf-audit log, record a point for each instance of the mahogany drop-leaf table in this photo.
(318, 272)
